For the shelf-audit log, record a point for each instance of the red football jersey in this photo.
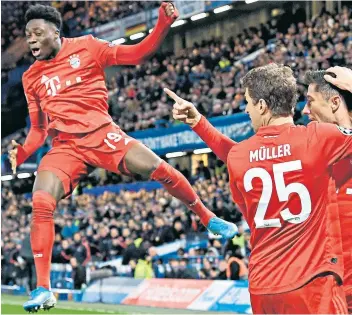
(281, 178)
(71, 88)
(342, 173)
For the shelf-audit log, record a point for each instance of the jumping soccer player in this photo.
(281, 180)
(327, 103)
(67, 98)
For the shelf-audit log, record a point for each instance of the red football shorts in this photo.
(322, 295)
(72, 155)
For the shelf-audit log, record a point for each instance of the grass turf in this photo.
(11, 304)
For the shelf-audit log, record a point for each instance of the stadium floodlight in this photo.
(222, 9)
(199, 16)
(118, 41)
(136, 36)
(175, 154)
(6, 177)
(151, 30)
(23, 175)
(202, 151)
(250, 1)
(179, 23)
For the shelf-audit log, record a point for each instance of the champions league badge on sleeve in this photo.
(345, 131)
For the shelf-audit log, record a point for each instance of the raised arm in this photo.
(215, 140)
(108, 53)
(139, 53)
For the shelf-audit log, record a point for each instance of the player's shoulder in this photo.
(244, 146)
(31, 72)
(321, 129)
(79, 39)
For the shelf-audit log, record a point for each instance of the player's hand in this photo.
(170, 11)
(183, 110)
(343, 78)
(13, 156)
(221, 227)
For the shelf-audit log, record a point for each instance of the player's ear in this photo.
(263, 106)
(335, 102)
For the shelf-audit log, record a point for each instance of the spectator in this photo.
(202, 171)
(163, 233)
(81, 250)
(144, 268)
(236, 267)
(78, 274)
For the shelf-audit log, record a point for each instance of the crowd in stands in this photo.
(129, 224)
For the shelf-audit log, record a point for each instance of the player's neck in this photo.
(56, 49)
(343, 119)
(277, 121)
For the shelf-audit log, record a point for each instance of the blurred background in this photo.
(115, 226)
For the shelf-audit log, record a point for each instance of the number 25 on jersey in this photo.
(283, 193)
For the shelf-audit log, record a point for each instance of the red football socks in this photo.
(43, 235)
(178, 186)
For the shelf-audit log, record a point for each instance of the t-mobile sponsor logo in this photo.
(52, 85)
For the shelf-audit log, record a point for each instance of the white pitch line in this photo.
(98, 310)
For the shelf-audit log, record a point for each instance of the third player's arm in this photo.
(215, 140)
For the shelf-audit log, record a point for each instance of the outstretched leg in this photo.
(47, 191)
(139, 160)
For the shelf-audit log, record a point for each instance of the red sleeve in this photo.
(215, 140)
(39, 123)
(108, 54)
(335, 142)
(342, 172)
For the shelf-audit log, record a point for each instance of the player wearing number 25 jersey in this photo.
(281, 178)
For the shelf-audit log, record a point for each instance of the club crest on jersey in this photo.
(74, 61)
(345, 131)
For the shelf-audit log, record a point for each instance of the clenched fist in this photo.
(183, 110)
(170, 11)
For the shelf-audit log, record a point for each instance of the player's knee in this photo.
(163, 172)
(44, 205)
(49, 183)
(152, 167)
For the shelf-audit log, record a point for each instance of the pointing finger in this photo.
(173, 95)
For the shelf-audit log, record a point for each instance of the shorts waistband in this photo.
(62, 136)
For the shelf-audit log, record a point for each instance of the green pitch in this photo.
(13, 305)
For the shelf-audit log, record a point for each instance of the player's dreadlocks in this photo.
(325, 88)
(44, 12)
